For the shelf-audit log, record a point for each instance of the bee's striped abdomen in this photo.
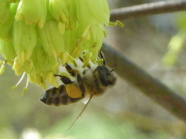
(58, 96)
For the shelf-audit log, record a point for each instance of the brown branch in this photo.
(148, 9)
(148, 85)
(148, 123)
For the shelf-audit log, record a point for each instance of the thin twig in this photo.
(148, 9)
(148, 85)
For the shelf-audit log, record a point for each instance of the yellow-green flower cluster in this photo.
(37, 36)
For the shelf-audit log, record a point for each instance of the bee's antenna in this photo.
(115, 64)
(112, 70)
(80, 113)
(101, 55)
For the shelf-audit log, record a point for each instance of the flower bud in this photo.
(32, 12)
(64, 12)
(24, 40)
(92, 12)
(2, 69)
(4, 11)
(51, 39)
(13, 1)
(43, 62)
(6, 29)
(7, 50)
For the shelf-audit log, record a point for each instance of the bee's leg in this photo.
(88, 66)
(81, 86)
(73, 89)
(81, 59)
(101, 55)
(57, 75)
(65, 80)
(71, 71)
(85, 71)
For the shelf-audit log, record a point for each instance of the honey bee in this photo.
(91, 82)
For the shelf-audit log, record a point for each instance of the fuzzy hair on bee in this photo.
(90, 82)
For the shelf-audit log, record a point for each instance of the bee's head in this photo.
(106, 76)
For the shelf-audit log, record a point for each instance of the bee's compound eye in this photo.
(111, 79)
(106, 76)
(103, 80)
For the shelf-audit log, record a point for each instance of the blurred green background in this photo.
(122, 112)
